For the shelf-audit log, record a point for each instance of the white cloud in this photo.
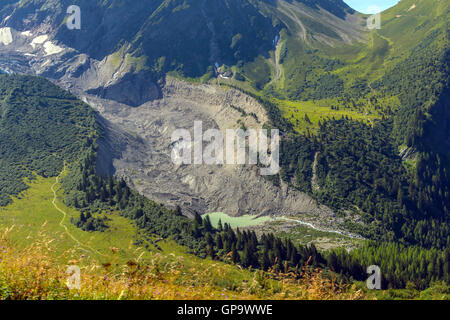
(373, 9)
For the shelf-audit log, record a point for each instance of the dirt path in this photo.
(276, 62)
(285, 9)
(82, 246)
(314, 183)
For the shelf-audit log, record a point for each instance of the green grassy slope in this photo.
(325, 81)
(33, 213)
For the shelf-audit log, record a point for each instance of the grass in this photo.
(320, 110)
(33, 213)
(132, 63)
(32, 274)
(304, 235)
(259, 72)
(36, 251)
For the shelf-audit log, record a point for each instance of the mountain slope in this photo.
(167, 35)
(178, 35)
(401, 187)
(40, 126)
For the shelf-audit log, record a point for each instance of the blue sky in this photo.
(371, 6)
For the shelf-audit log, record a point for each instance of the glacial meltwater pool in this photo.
(236, 222)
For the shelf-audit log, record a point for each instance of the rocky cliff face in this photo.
(145, 159)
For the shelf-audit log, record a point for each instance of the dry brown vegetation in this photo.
(32, 273)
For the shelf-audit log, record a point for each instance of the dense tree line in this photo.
(87, 222)
(419, 81)
(296, 161)
(399, 265)
(359, 169)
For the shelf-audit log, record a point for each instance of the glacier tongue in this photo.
(6, 37)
